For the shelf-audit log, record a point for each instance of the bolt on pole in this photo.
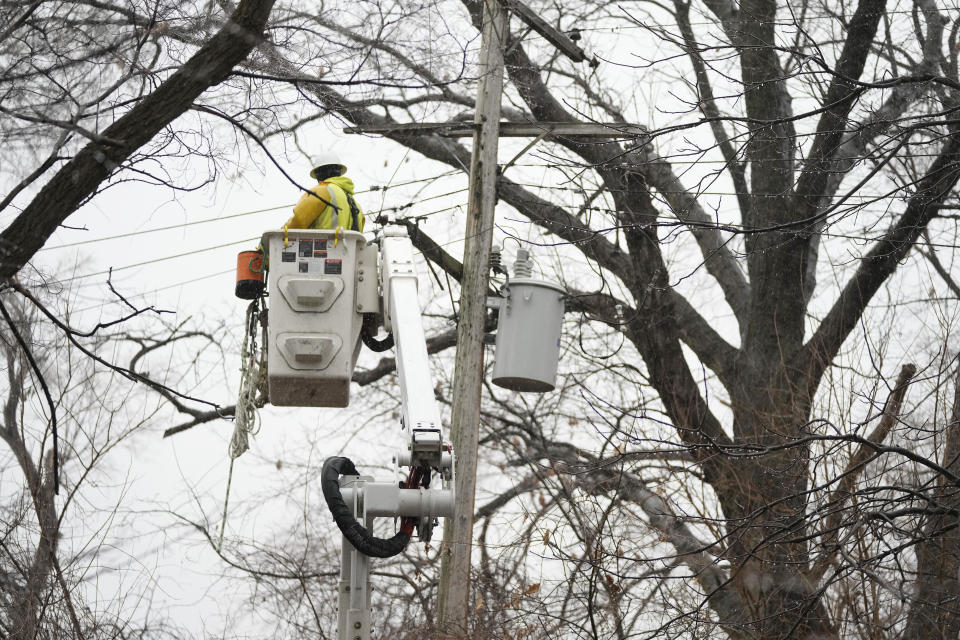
(454, 592)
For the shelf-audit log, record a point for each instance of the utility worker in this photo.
(330, 204)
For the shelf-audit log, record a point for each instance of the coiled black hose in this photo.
(362, 540)
(368, 332)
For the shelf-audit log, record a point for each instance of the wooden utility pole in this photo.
(454, 591)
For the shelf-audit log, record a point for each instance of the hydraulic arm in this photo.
(327, 288)
(421, 416)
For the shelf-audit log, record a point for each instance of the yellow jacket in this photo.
(313, 213)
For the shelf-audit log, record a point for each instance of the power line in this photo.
(579, 164)
(221, 246)
(158, 289)
(163, 259)
(700, 193)
(407, 205)
(213, 248)
(157, 229)
(411, 217)
(448, 243)
(680, 225)
(210, 275)
(786, 22)
(403, 184)
(372, 189)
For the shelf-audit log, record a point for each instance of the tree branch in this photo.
(840, 99)
(855, 466)
(879, 263)
(600, 479)
(79, 178)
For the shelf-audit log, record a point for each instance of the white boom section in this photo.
(353, 621)
(401, 305)
(421, 416)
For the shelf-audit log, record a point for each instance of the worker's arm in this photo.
(306, 211)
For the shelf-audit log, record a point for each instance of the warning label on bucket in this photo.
(333, 266)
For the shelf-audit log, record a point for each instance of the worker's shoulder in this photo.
(343, 183)
(311, 203)
(312, 192)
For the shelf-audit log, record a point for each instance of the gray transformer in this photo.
(528, 335)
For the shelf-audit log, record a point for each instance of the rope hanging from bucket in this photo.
(252, 396)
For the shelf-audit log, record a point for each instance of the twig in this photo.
(72, 334)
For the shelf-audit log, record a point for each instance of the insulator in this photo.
(496, 260)
(522, 267)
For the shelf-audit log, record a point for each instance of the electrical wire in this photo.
(398, 208)
(411, 203)
(407, 218)
(385, 187)
(221, 246)
(214, 274)
(708, 23)
(866, 196)
(158, 229)
(573, 163)
(182, 283)
(373, 189)
(155, 260)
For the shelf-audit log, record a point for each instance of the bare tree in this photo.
(738, 254)
(807, 129)
(57, 531)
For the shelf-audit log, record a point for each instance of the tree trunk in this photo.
(768, 561)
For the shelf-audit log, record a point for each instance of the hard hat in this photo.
(326, 159)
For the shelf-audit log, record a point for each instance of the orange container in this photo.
(249, 275)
